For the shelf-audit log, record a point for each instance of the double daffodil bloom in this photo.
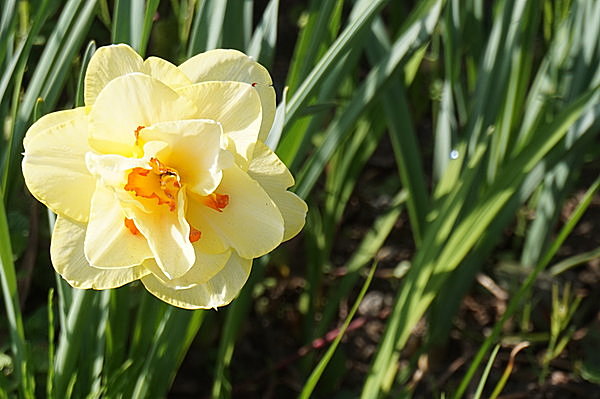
(163, 176)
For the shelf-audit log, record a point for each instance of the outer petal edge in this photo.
(66, 251)
(218, 291)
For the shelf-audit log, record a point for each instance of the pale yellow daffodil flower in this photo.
(163, 176)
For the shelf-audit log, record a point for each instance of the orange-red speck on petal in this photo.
(137, 133)
(215, 201)
(131, 226)
(195, 235)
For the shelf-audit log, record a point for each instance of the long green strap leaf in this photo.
(518, 297)
(264, 39)
(344, 42)
(413, 38)
(420, 287)
(8, 279)
(314, 377)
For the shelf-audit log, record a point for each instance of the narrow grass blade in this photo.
(97, 348)
(274, 136)
(118, 328)
(264, 39)
(402, 135)
(236, 313)
(313, 36)
(313, 43)
(581, 55)
(207, 28)
(132, 22)
(349, 38)
(573, 261)
(341, 180)
(6, 21)
(8, 280)
(486, 373)
(51, 349)
(313, 379)
(121, 32)
(239, 22)
(413, 38)
(69, 49)
(430, 269)
(50, 73)
(87, 55)
(14, 74)
(509, 367)
(366, 251)
(518, 297)
(149, 13)
(70, 342)
(166, 351)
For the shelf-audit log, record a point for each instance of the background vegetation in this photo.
(449, 154)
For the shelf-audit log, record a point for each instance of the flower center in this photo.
(160, 182)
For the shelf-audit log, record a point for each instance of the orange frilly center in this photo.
(163, 184)
(160, 183)
(218, 202)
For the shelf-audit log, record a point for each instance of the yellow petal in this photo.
(274, 177)
(109, 243)
(165, 72)
(129, 103)
(111, 170)
(193, 148)
(232, 65)
(250, 223)
(218, 291)
(205, 268)
(54, 163)
(210, 242)
(235, 105)
(168, 236)
(66, 251)
(107, 63)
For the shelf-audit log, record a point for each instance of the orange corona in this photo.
(160, 182)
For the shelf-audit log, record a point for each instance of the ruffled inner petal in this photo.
(236, 106)
(168, 236)
(192, 148)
